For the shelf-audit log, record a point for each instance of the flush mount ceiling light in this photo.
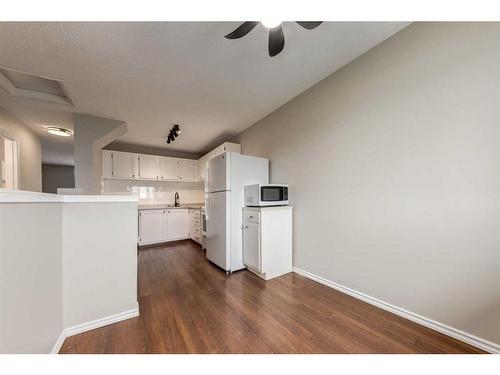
(174, 133)
(58, 131)
(276, 37)
(30, 86)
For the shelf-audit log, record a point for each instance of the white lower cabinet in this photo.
(251, 244)
(156, 226)
(152, 226)
(195, 225)
(177, 224)
(267, 240)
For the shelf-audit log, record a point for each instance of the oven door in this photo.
(273, 195)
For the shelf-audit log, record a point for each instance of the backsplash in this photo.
(189, 192)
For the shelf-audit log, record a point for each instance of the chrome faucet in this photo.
(176, 204)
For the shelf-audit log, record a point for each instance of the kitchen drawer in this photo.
(197, 231)
(251, 217)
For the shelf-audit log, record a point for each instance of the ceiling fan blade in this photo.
(276, 41)
(309, 25)
(242, 30)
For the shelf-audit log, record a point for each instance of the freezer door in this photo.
(218, 173)
(217, 216)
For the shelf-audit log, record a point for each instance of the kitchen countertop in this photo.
(170, 206)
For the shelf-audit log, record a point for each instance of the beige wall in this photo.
(91, 134)
(29, 148)
(31, 305)
(394, 168)
(100, 261)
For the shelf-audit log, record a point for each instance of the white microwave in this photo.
(266, 195)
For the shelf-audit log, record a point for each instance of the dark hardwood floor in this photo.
(189, 306)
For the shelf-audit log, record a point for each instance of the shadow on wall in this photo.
(57, 176)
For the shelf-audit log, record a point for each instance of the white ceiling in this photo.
(153, 75)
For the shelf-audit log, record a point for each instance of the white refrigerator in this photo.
(227, 175)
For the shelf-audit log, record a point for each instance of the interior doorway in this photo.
(9, 160)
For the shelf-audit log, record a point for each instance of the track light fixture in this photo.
(174, 133)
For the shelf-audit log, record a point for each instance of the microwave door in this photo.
(271, 194)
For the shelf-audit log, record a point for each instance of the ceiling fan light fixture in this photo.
(276, 41)
(271, 24)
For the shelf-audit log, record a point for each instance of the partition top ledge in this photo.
(22, 196)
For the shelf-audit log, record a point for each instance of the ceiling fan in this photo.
(276, 36)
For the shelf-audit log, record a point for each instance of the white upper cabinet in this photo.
(187, 170)
(174, 169)
(169, 169)
(149, 167)
(202, 163)
(226, 147)
(127, 165)
(124, 165)
(201, 168)
(107, 163)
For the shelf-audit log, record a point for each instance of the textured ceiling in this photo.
(152, 75)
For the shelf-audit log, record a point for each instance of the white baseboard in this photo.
(58, 344)
(429, 323)
(88, 326)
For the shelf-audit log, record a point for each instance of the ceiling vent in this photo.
(29, 86)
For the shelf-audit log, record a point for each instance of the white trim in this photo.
(57, 346)
(32, 94)
(17, 167)
(88, 326)
(22, 196)
(98, 323)
(429, 323)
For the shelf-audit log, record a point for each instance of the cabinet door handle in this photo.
(251, 217)
(246, 226)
